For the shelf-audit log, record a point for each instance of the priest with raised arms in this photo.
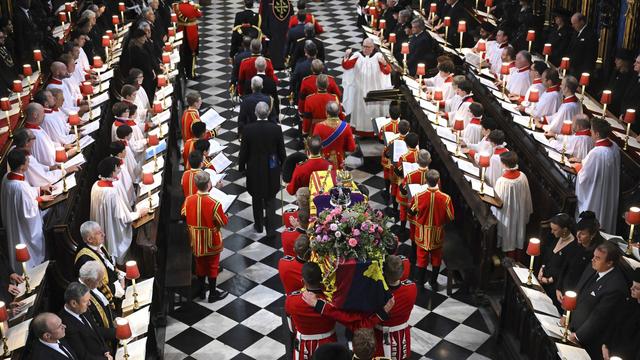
(110, 211)
(598, 181)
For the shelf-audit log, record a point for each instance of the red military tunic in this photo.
(397, 326)
(411, 156)
(313, 329)
(309, 86)
(406, 267)
(335, 143)
(415, 177)
(188, 13)
(293, 21)
(433, 210)
(188, 147)
(387, 164)
(188, 118)
(315, 110)
(248, 70)
(303, 171)
(188, 184)
(205, 217)
(287, 215)
(390, 127)
(289, 237)
(290, 269)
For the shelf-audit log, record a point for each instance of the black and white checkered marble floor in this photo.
(248, 324)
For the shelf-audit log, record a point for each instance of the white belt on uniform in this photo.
(388, 329)
(322, 336)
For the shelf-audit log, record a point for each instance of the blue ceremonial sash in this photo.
(335, 134)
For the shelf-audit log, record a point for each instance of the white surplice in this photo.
(472, 133)
(598, 183)
(484, 145)
(137, 142)
(494, 171)
(442, 82)
(513, 189)
(494, 56)
(22, 219)
(550, 101)
(109, 210)
(357, 82)
(125, 185)
(38, 174)
(70, 97)
(578, 144)
(570, 106)
(537, 84)
(56, 125)
(519, 81)
(458, 108)
(44, 149)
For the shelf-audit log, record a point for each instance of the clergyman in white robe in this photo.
(519, 81)
(44, 149)
(570, 106)
(578, 144)
(56, 126)
(549, 103)
(513, 189)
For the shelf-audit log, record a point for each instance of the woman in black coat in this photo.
(139, 56)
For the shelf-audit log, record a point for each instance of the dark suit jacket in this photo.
(268, 87)
(262, 154)
(583, 51)
(302, 70)
(631, 100)
(560, 40)
(421, 50)
(624, 341)
(298, 51)
(30, 36)
(247, 113)
(39, 351)
(86, 342)
(246, 16)
(596, 304)
(293, 35)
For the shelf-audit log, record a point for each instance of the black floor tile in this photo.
(240, 337)
(436, 324)
(445, 350)
(190, 313)
(238, 310)
(237, 263)
(190, 340)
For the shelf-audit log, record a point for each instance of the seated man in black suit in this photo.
(624, 341)
(81, 331)
(49, 343)
(601, 289)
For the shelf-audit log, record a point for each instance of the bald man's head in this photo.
(34, 113)
(58, 70)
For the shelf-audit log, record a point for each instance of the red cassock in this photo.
(188, 13)
(289, 237)
(303, 171)
(290, 269)
(433, 210)
(315, 110)
(293, 21)
(313, 329)
(186, 150)
(337, 138)
(387, 164)
(309, 86)
(188, 118)
(411, 157)
(415, 177)
(188, 183)
(393, 336)
(205, 217)
(406, 267)
(351, 63)
(287, 215)
(248, 70)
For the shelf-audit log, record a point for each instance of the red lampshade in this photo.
(547, 49)
(26, 70)
(86, 88)
(566, 127)
(4, 316)
(162, 80)
(5, 104)
(488, 3)
(68, 7)
(153, 140)
(534, 96)
(174, 17)
(630, 116)
(132, 271)
(504, 69)
(569, 300)
(115, 20)
(606, 97)
(484, 160)
(584, 79)
(167, 47)
(37, 55)
(564, 63)
(157, 107)
(462, 26)
(61, 155)
(447, 21)
(121, 6)
(482, 45)
(97, 62)
(87, 77)
(531, 35)
(147, 179)
(109, 33)
(405, 48)
(106, 40)
(382, 24)
(16, 87)
(421, 69)
(166, 58)
(74, 119)
(171, 31)
(123, 330)
(62, 16)
(633, 215)
(437, 94)
(433, 7)
(533, 249)
(458, 125)
(22, 253)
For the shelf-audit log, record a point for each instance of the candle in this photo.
(62, 16)
(68, 7)
(97, 62)
(157, 107)
(115, 20)
(633, 216)
(174, 17)
(167, 47)
(121, 6)
(606, 97)
(484, 159)
(4, 316)
(5, 104)
(392, 38)
(106, 40)
(433, 7)
(481, 46)
(17, 86)
(171, 31)
(566, 127)
(564, 63)
(123, 329)
(73, 118)
(488, 3)
(437, 94)
(147, 179)
(405, 48)
(37, 55)
(162, 80)
(109, 33)
(546, 50)
(153, 140)
(447, 21)
(61, 155)
(458, 125)
(382, 24)
(166, 58)
(86, 88)
(504, 69)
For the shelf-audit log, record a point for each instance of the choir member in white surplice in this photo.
(508, 57)
(137, 142)
(21, 215)
(520, 77)
(472, 133)
(443, 79)
(484, 145)
(363, 72)
(135, 78)
(123, 134)
(55, 121)
(129, 94)
(44, 149)
(458, 106)
(598, 182)
(579, 143)
(535, 74)
(494, 53)
(513, 189)
(498, 146)
(119, 151)
(570, 106)
(109, 209)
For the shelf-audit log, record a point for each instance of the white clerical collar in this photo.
(601, 274)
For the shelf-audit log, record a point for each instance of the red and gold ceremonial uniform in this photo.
(248, 70)
(293, 21)
(415, 177)
(289, 237)
(411, 157)
(188, 14)
(189, 117)
(393, 336)
(303, 171)
(387, 163)
(186, 150)
(433, 210)
(309, 86)
(390, 127)
(313, 329)
(337, 138)
(287, 215)
(205, 217)
(315, 110)
(188, 183)
(290, 270)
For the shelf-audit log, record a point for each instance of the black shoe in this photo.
(217, 295)
(202, 290)
(433, 282)
(419, 277)
(257, 228)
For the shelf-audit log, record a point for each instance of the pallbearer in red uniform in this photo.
(303, 170)
(205, 217)
(394, 115)
(415, 177)
(308, 84)
(298, 225)
(433, 209)
(410, 157)
(336, 136)
(188, 182)
(309, 18)
(315, 105)
(188, 14)
(387, 160)
(290, 267)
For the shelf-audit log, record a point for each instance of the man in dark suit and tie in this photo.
(421, 49)
(262, 153)
(583, 47)
(247, 113)
(298, 46)
(601, 289)
(49, 343)
(81, 331)
(268, 84)
(25, 25)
